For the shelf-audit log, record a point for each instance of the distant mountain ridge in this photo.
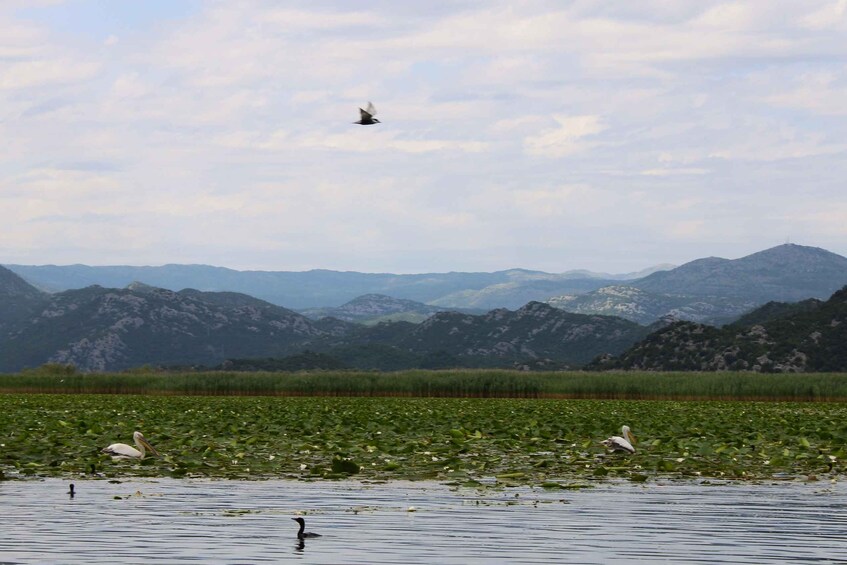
(715, 290)
(785, 273)
(324, 288)
(710, 290)
(375, 308)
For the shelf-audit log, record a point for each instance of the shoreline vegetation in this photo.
(464, 383)
(475, 442)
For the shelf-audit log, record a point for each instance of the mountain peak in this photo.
(787, 272)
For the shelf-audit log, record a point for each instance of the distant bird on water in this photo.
(124, 451)
(301, 534)
(71, 490)
(368, 116)
(618, 443)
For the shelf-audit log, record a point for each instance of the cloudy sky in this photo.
(552, 135)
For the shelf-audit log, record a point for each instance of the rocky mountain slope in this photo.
(717, 291)
(99, 329)
(808, 336)
(102, 329)
(535, 333)
(18, 300)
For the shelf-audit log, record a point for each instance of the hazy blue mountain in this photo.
(517, 293)
(717, 291)
(324, 288)
(375, 308)
(786, 273)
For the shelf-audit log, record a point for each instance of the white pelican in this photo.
(301, 534)
(124, 451)
(618, 443)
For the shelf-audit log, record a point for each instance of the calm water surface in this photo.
(174, 521)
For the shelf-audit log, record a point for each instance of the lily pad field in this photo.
(549, 442)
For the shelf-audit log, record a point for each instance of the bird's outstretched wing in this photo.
(370, 109)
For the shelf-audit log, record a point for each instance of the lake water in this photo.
(171, 521)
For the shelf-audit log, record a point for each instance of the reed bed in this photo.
(448, 383)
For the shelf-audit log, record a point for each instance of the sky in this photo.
(549, 135)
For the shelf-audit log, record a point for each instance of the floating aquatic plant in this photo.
(500, 442)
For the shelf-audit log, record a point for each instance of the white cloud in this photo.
(45, 73)
(832, 15)
(289, 20)
(668, 172)
(509, 134)
(387, 142)
(566, 139)
(819, 93)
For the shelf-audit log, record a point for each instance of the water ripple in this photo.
(165, 521)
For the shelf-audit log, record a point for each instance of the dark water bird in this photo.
(124, 451)
(618, 443)
(367, 114)
(71, 490)
(301, 534)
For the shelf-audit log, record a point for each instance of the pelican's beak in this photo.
(631, 438)
(150, 447)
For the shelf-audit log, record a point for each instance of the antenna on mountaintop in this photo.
(787, 240)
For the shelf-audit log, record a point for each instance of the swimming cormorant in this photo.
(301, 534)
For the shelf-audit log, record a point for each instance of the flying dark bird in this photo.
(301, 534)
(368, 116)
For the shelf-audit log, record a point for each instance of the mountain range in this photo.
(806, 336)
(717, 291)
(711, 290)
(96, 328)
(323, 288)
(107, 329)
